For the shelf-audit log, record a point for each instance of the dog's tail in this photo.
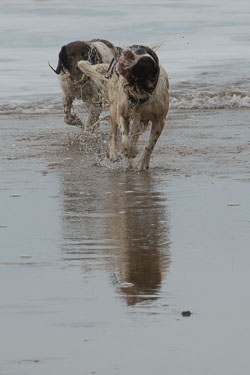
(95, 72)
(156, 45)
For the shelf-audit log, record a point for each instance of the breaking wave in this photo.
(209, 100)
(48, 106)
(188, 100)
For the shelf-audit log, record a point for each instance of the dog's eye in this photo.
(73, 54)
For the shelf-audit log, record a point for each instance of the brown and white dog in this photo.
(136, 88)
(75, 84)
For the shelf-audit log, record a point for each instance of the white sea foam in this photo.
(209, 100)
(178, 100)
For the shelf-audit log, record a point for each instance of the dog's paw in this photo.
(128, 149)
(88, 129)
(113, 156)
(133, 152)
(142, 166)
(143, 163)
(72, 120)
(129, 152)
(130, 164)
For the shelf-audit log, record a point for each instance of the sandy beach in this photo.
(110, 271)
(98, 262)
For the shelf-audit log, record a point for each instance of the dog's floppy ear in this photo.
(152, 54)
(94, 56)
(62, 61)
(152, 82)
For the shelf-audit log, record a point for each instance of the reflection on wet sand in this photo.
(141, 230)
(116, 221)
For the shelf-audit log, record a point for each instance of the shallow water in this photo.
(97, 262)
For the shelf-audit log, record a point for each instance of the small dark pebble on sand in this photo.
(186, 313)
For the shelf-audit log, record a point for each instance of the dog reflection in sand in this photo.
(116, 223)
(139, 227)
(136, 87)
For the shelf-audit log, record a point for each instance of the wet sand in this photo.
(98, 262)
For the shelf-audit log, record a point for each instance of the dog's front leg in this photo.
(69, 117)
(127, 148)
(135, 131)
(156, 130)
(112, 153)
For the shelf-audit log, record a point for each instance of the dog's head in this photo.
(72, 53)
(140, 66)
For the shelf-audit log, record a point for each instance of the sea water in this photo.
(205, 47)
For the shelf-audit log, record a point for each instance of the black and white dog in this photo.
(136, 87)
(75, 84)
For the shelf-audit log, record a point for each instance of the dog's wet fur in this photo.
(137, 90)
(76, 85)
